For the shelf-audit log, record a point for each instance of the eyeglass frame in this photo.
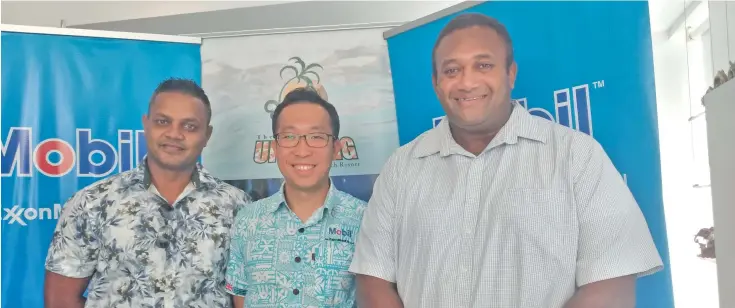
(303, 136)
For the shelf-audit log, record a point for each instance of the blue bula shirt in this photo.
(276, 260)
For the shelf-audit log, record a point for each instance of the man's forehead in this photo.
(303, 126)
(184, 116)
(177, 112)
(471, 38)
(174, 100)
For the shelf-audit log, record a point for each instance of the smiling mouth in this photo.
(172, 147)
(469, 99)
(303, 167)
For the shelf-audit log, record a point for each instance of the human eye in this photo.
(318, 136)
(486, 66)
(451, 71)
(287, 136)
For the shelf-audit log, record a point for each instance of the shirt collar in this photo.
(520, 124)
(279, 199)
(200, 177)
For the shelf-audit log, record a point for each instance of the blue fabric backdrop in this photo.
(71, 114)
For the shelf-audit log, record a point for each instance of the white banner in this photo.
(245, 78)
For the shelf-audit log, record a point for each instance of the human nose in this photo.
(302, 148)
(174, 132)
(468, 80)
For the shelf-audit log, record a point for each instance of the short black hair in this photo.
(468, 20)
(308, 96)
(183, 86)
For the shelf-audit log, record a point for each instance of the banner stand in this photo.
(63, 83)
(294, 30)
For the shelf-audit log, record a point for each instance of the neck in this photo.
(476, 140)
(167, 181)
(305, 202)
(473, 142)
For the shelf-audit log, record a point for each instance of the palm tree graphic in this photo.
(304, 76)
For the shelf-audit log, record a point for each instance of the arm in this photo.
(64, 292)
(374, 258)
(72, 256)
(612, 293)
(238, 301)
(374, 292)
(615, 244)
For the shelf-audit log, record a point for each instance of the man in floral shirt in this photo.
(293, 249)
(157, 235)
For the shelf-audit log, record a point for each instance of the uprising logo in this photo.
(304, 76)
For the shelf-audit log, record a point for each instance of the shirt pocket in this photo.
(331, 263)
(543, 203)
(542, 221)
(540, 214)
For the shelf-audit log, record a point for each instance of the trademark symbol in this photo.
(599, 84)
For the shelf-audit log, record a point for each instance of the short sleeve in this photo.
(74, 243)
(375, 253)
(236, 282)
(242, 200)
(614, 239)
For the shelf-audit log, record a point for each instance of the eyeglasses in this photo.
(314, 140)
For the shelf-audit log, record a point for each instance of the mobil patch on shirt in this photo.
(341, 233)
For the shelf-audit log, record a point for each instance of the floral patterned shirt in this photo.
(276, 260)
(142, 252)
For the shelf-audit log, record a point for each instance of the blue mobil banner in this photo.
(586, 65)
(71, 115)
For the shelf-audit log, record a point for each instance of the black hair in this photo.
(307, 96)
(183, 86)
(468, 20)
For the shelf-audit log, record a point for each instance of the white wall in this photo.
(722, 29)
(681, 79)
(721, 129)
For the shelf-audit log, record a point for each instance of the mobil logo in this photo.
(55, 157)
(572, 107)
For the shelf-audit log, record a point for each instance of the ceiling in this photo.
(188, 17)
(51, 13)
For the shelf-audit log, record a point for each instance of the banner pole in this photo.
(101, 34)
(241, 33)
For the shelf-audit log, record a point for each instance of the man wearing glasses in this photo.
(293, 249)
(154, 236)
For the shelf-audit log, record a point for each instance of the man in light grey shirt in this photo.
(495, 207)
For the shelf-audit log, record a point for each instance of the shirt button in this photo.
(297, 259)
(301, 230)
(464, 270)
(295, 291)
(468, 231)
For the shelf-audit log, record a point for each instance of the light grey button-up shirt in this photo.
(540, 212)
